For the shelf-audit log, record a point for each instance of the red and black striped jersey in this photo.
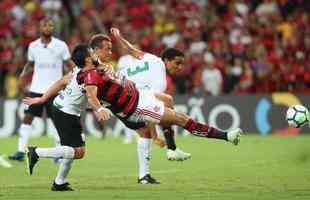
(120, 93)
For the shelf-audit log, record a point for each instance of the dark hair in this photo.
(96, 40)
(171, 53)
(46, 20)
(79, 54)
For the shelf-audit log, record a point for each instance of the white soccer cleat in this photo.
(234, 136)
(178, 155)
(4, 163)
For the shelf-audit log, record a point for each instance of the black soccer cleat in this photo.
(32, 158)
(18, 156)
(61, 187)
(147, 179)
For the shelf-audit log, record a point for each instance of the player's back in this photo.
(146, 72)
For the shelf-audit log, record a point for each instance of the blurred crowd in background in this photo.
(231, 46)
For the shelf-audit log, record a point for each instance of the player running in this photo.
(46, 56)
(66, 112)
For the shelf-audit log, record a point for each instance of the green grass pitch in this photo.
(260, 168)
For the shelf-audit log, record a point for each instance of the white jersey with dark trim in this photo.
(72, 100)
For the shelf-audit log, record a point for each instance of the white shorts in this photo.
(149, 108)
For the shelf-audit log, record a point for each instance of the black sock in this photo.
(169, 137)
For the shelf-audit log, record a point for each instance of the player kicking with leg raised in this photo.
(46, 56)
(135, 105)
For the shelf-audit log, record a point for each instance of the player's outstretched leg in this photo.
(173, 153)
(32, 158)
(171, 117)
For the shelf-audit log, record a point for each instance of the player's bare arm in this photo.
(126, 44)
(70, 64)
(101, 112)
(52, 91)
(27, 68)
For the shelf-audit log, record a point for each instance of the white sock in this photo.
(56, 152)
(129, 134)
(144, 149)
(24, 134)
(63, 171)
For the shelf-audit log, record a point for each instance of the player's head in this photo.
(102, 46)
(81, 56)
(46, 27)
(173, 59)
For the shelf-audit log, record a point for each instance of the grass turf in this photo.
(260, 168)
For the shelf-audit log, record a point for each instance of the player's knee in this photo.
(144, 133)
(28, 119)
(180, 117)
(79, 152)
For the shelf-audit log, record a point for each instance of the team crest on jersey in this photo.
(82, 87)
(156, 108)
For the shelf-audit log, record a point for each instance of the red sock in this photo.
(204, 130)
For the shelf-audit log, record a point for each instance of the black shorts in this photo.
(132, 125)
(37, 110)
(69, 128)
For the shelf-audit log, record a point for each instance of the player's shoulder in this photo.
(34, 43)
(58, 42)
(157, 61)
(150, 56)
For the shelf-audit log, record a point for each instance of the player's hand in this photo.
(30, 101)
(115, 32)
(159, 142)
(103, 114)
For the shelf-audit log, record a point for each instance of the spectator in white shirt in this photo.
(211, 77)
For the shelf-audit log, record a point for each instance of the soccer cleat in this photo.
(234, 136)
(61, 187)
(178, 155)
(147, 179)
(32, 158)
(18, 156)
(4, 163)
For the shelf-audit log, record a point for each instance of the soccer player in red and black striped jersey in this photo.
(144, 107)
(123, 98)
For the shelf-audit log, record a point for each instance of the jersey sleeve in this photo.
(30, 55)
(159, 83)
(65, 53)
(91, 78)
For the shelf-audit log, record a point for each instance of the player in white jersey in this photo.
(66, 112)
(149, 71)
(46, 57)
